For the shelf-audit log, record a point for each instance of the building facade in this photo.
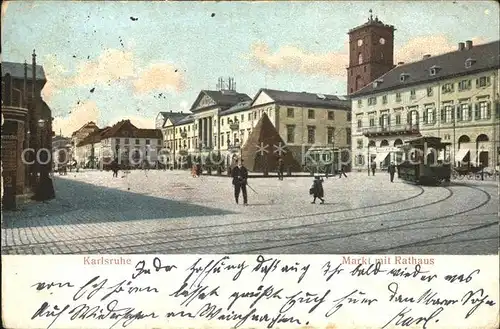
(221, 121)
(132, 146)
(453, 96)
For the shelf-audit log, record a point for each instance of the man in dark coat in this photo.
(374, 166)
(240, 176)
(342, 171)
(281, 168)
(115, 167)
(392, 170)
(317, 189)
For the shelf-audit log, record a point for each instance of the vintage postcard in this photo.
(302, 164)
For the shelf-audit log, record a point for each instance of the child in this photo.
(317, 189)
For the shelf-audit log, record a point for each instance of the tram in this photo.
(425, 161)
(322, 160)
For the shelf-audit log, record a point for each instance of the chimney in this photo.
(461, 46)
(468, 44)
(34, 74)
(427, 56)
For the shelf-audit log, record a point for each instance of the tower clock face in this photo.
(360, 42)
(382, 41)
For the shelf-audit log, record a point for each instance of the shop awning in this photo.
(381, 156)
(461, 154)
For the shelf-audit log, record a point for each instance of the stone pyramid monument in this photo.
(259, 158)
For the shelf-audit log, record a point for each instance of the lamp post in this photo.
(45, 187)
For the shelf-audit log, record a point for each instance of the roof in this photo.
(113, 131)
(148, 133)
(173, 116)
(94, 137)
(16, 70)
(176, 117)
(90, 123)
(186, 120)
(242, 106)
(372, 22)
(486, 57)
(222, 98)
(305, 99)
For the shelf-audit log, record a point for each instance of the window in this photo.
(464, 112)
(482, 82)
(360, 123)
(447, 88)
(464, 85)
(310, 114)
(372, 122)
(398, 97)
(249, 116)
(311, 134)
(433, 71)
(413, 94)
(443, 115)
(372, 101)
(348, 135)
(330, 135)
(404, 77)
(483, 111)
(429, 116)
(290, 134)
(331, 115)
(242, 118)
(137, 142)
(360, 103)
(222, 140)
(221, 122)
(290, 112)
(255, 115)
(398, 119)
(117, 141)
(384, 120)
(158, 141)
(189, 143)
(450, 114)
(360, 58)
(349, 116)
(429, 91)
(127, 141)
(384, 99)
(360, 160)
(148, 141)
(359, 143)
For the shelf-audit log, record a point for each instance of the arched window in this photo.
(360, 58)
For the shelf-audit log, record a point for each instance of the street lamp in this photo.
(45, 187)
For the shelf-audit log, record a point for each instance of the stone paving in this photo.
(171, 212)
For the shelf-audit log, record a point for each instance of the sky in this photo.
(108, 61)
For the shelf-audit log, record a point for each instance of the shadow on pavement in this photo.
(82, 203)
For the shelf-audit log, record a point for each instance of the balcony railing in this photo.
(392, 130)
(184, 134)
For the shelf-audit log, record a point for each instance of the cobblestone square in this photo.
(170, 212)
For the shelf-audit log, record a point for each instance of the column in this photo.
(199, 132)
(205, 131)
(210, 129)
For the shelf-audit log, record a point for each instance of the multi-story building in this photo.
(61, 149)
(131, 145)
(453, 96)
(78, 153)
(222, 121)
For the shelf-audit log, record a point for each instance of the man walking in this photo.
(240, 176)
(392, 170)
(342, 172)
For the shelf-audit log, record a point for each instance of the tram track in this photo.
(488, 198)
(421, 191)
(286, 228)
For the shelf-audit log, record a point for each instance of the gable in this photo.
(159, 121)
(202, 101)
(263, 98)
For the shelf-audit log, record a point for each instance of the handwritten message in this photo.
(250, 291)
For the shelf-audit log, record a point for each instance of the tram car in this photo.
(322, 161)
(425, 161)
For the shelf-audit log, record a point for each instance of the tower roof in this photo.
(372, 22)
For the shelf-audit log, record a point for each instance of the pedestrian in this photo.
(342, 172)
(317, 189)
(281, 168)
(374, 166)
(392, 170)
(240, 176)
(115, 167)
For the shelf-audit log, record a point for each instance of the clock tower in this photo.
(371, 53)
